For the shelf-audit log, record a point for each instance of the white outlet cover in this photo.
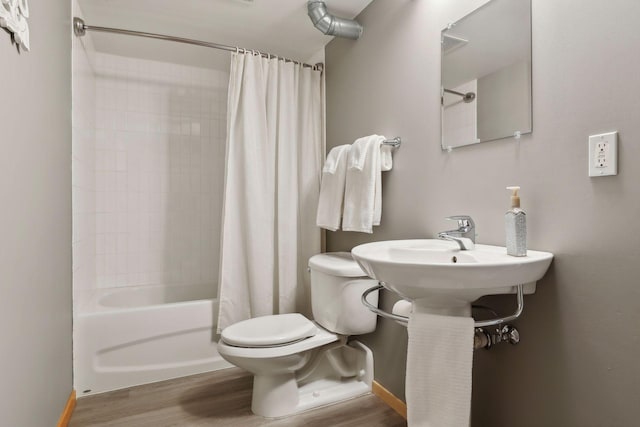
(603, 154)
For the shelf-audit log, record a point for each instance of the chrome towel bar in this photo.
(404, 320)
(395, 142)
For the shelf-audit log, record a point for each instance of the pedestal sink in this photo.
(439, 277)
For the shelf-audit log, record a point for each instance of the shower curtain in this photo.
(275, 141)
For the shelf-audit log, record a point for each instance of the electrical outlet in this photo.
(603, 154)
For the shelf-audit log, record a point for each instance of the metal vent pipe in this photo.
(332, 25)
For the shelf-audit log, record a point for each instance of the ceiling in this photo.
(279, 27)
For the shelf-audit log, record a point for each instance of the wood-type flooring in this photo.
(221, 398)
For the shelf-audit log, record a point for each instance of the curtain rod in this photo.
(80, 29)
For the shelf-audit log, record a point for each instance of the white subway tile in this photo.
(155, 165)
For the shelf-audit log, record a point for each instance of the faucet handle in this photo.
(464, 221)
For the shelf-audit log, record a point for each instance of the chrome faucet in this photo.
(464, 235)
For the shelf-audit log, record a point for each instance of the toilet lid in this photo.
(269, 331)
(339, 264)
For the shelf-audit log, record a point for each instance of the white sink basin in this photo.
(438, 271)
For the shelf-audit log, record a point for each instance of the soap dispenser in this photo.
(515, 224)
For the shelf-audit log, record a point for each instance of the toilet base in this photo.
(276, 396)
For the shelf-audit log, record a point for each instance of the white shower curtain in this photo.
(272, 180)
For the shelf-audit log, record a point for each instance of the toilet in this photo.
(300, 364)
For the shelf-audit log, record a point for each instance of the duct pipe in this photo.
(332, 25)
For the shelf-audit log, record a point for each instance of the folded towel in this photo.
(386, 164)
(377, 197)
(332, 188)
(386, 157)
(363, 191)
(439, 363)
(358, 153)
(337, 156)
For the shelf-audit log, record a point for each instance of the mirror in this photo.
(486, 74)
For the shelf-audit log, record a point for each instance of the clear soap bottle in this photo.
(515, 224)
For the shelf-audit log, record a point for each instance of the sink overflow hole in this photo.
(454, 259)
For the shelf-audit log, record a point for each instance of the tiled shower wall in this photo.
(159, 159)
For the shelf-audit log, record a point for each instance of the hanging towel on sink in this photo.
(363, 190)
(439, 363)
(332, 188)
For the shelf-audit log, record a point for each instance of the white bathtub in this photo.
(130, 336)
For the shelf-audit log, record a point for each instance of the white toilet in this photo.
(299, 364)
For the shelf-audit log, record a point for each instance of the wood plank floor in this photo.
(221, 398)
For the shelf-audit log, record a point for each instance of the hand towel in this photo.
(439, 363)
(386, 163)
(363, 190)
(332, 188)
(386, 157)
(377, 196)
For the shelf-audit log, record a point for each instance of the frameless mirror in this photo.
(486, 74)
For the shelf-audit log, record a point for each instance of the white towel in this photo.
(363, 191)
(386, 163)
(332, 188)
(439, 363)
(386, 157)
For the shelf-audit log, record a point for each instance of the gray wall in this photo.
(578, 363)
(35, 220)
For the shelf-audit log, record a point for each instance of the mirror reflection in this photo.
(486, 74)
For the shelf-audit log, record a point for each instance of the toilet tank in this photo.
(337, 284)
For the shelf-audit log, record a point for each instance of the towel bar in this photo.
(395, 142)
(404, 320)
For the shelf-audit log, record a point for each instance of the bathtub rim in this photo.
(88, 302)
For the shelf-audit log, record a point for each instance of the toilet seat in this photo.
(322, 337)
(269, 331)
